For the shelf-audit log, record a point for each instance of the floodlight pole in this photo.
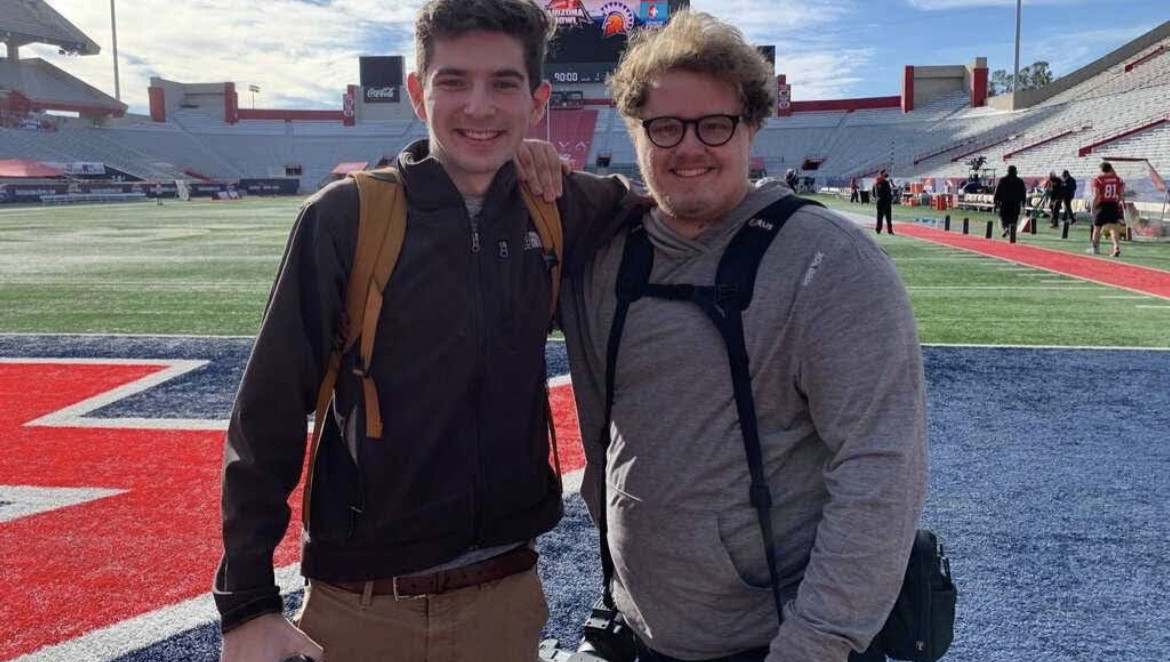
(1016, 77)
(114, 29)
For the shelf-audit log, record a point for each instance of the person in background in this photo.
(883, 193)
(1054, 189)
(1108, 192)
(1010, 196)
(854, 193)
(1070, 193)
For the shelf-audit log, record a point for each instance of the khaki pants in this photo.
(498, 621)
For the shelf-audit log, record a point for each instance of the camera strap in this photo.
(723, 303)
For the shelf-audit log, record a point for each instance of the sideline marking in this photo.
(74, 416)
(29, 334)
(1073, 285)
(149, 629)
(864, 221)
(18, 501)
(1110, 348)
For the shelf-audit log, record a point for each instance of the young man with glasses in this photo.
(835, 377)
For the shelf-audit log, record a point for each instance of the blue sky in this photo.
(302, 53)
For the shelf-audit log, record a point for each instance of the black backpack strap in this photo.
(736, 276)
(633, 275)
(732, 294)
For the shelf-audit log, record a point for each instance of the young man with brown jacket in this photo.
(420, 542)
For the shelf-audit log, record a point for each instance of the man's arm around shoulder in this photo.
(592, 209)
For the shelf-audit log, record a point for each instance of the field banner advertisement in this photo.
(382, 77)
(81, 168)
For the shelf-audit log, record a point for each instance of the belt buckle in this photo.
(398, 597)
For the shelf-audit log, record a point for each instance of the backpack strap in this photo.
(381, 231)
(547, 219)
(723, 303)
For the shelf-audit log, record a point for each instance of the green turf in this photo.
(196, 267)
(1155, 255)
(205, 268)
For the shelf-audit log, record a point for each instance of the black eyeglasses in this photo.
(711, 130)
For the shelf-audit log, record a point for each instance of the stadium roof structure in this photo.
(35, 22)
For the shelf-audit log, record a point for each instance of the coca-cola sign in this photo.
(383, 94)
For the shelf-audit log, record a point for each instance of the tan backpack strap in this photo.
(381, 230)
(552, 435)
(547, 220)
(390, 204)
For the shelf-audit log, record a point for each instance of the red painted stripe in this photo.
(76, 569)
(48, 387)
(1097, 269)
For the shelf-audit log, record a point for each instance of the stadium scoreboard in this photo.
(592, 35)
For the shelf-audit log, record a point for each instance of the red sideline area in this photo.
(79, 568)
(1104, 271)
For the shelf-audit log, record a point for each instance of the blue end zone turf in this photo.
(1050, 475)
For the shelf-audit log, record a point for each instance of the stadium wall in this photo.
(1028, 98)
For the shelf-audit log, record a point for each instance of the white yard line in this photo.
(1051, 347)
(1044, 288)
(74, 416)
(120, 639)
(21, 334)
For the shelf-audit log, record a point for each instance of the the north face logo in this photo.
(532, 241)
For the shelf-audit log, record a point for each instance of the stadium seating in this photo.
(935, 140)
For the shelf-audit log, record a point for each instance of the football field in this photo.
(124, 330)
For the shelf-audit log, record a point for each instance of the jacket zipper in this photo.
(479, 330)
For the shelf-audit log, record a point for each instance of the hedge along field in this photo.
(205, 268)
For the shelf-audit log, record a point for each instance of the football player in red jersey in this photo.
(1107, 191)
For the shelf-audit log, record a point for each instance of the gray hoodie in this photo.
(837, 376)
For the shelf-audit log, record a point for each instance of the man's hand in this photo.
(268, 638)
(539, 165)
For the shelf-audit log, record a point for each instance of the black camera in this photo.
(607, 638)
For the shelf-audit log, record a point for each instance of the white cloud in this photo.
(302, 54)
(761, 18)
(967, 4)
(824, 75)
(818, 64)
(295, 51)
(1077, 49)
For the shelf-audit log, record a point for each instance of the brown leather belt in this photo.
(412, 586)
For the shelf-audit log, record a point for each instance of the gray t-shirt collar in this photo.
(673, 245)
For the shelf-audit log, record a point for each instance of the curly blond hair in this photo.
(699, 43)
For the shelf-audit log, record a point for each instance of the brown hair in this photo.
(522, 19)
(1106, 166)
(699, 43)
